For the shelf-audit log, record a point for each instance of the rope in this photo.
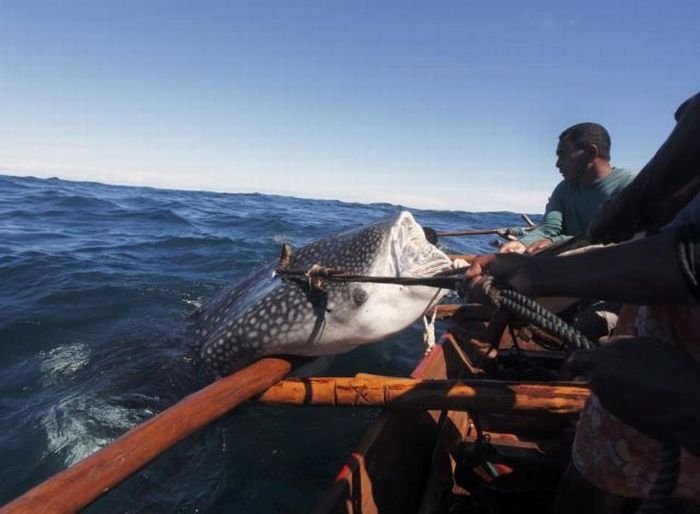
(317, 276)
(429, 331)
(533, 312)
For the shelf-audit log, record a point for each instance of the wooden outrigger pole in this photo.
(84, 482)
(565, 398)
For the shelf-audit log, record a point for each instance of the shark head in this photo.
(268, 314)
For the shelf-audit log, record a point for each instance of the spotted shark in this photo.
(268, 313)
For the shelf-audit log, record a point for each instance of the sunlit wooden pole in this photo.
(403, 393)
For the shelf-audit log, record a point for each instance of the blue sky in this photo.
(436, 104)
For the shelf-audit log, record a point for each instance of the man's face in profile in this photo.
(572, 162)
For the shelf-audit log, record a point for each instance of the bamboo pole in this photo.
(81, 484)
(404, 393)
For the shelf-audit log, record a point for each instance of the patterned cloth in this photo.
(619, 459)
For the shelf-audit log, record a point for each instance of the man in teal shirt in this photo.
(583, 159)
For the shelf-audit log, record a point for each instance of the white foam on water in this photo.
(63, 361)
(79, 426)
(280, 238)
(195, 303)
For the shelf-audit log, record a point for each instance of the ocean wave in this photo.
(78, 426)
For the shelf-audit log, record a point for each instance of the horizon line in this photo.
(351, 199)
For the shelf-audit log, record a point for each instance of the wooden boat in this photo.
(464, 461)
(505, 447)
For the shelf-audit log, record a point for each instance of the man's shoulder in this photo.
(617, 179)
(561, 187)
(623, 174)
(566, 190)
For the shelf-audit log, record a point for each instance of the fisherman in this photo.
(583, 159)
(645, 383)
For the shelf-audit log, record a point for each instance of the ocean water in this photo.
(98, 284)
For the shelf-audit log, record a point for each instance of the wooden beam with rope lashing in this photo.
(404, 393)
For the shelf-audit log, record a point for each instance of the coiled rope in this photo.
(531, 311)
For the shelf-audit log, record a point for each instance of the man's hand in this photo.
(512, 270)
(648, 384)
(518, 247)
(538, 245)
(512, 247)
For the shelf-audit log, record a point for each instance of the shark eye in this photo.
(359, 296)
